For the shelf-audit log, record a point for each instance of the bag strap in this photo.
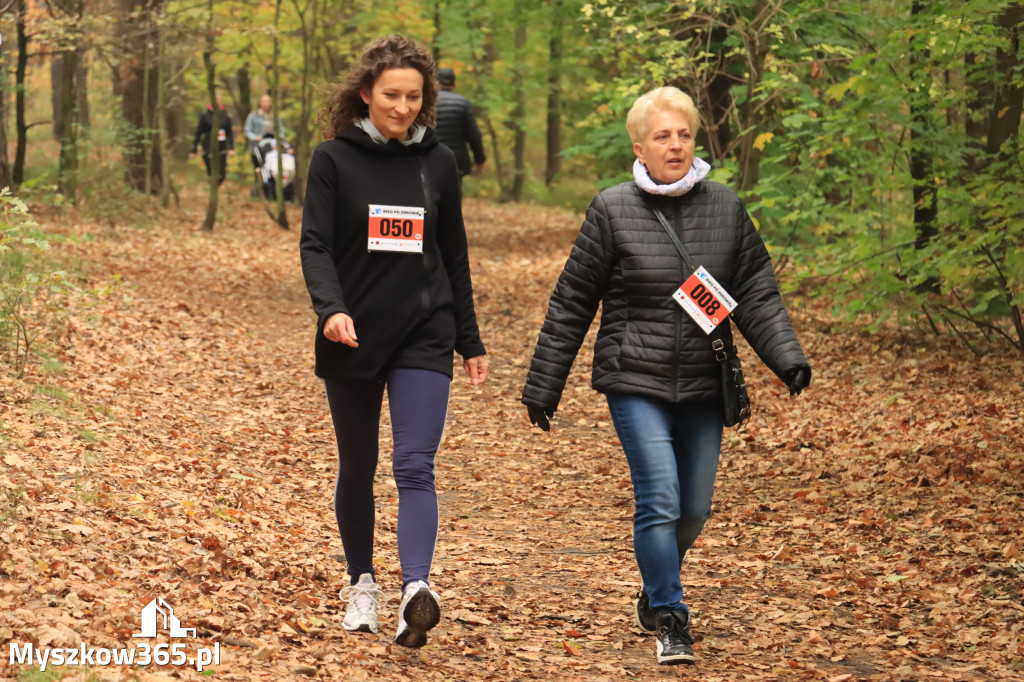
(717, 344)
(687, 260)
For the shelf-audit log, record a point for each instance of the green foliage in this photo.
(104, 194)
(478, 41)
(27, 293)
(836, 120)
(847, 171)
(36, 296)
(36, 675)
(850, 96)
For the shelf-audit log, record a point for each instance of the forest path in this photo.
(869, 529)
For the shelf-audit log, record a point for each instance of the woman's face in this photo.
(667, 149)
(265, 103)
(395, 101)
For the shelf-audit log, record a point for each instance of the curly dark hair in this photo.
(344, 104)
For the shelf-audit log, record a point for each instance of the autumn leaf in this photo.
(841, 523)
(762, 140)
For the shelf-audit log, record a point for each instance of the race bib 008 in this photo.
(705, 300)
(396, 228)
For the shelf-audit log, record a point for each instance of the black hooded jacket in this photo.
(647, 345)
(409, 310)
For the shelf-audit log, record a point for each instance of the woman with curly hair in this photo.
(384, 257)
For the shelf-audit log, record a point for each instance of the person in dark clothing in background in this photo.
(456, 125)
(225, 137)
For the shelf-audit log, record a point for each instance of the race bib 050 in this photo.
(395, 228)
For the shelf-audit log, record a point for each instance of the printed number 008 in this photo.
(395, 228)
(705, 299)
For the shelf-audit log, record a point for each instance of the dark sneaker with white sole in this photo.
(419, 611)
(645, 617)
(675, 645)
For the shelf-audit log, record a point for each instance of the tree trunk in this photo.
(1008, 102)
(303, 130)
(518, 120)
(139, 83)
(718, 133)
(116, 86)
(979, 100)
(5, 103)
(83, 114)
(6, 176)
(149, 79)
(713, 94)
(554, 123)
(751, 115)
(435, 45)
(67, 176)
(499, 163)
(179, 137)
(485, 74)
(228, 92)
(245, 103)
(925, 190)
(211, 90)
(20, 126)
(162, 155)
(57, 93)
(282, 214)
(1004, 126)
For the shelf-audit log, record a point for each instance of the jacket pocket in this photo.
(631, 350)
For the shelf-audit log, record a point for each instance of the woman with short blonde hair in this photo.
(654, 361)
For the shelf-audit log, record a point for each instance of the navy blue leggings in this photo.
(418, 399)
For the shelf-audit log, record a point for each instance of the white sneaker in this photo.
(362, 599)
(420, 610)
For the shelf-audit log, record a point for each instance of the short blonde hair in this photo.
(638, 121)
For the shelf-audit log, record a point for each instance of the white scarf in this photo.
(699, 170)
(416, 132)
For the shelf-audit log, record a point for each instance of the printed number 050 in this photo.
(395, 228)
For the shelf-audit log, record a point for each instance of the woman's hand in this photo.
(540, 416)
(797, 379)
(340, 329)
(476, 369)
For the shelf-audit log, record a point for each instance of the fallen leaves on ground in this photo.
(867, 530)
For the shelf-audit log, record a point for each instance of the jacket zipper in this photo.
(678, 312)
(427, 264)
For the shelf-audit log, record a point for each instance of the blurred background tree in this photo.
(877, 144)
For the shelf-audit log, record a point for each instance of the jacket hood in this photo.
(359, 138)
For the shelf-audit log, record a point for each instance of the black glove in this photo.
(797, 379)
(539, 416)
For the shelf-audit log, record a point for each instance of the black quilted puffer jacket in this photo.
(647, 345)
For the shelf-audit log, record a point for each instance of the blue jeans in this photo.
(672, 450)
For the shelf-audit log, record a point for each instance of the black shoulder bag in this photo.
(735, 401)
